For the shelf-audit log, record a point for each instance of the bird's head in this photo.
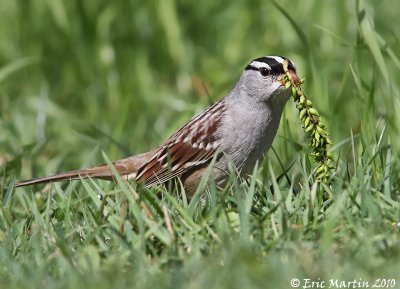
(262, 79)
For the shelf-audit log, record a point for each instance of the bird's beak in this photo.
(294, 76)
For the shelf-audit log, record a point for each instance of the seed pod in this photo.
(313, 112)
(321, 130)
(309, 103)
(310, 127)
(320, 169)
(317, 135)
(307, 121)
(303, 113)
(294, 92)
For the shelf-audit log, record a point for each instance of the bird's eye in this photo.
(264, 71)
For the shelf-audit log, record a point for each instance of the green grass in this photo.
(81, 77)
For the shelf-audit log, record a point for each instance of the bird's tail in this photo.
(126, 167)
(102, 172)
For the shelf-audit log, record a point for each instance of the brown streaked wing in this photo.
(194, 144)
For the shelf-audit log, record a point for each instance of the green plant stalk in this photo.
(314, 128)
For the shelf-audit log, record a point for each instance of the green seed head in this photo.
(313, 127)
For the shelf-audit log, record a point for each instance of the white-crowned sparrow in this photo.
(238, 130)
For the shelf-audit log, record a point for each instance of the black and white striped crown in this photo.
(272, 63)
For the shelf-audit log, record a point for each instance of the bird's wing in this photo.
(192, 145)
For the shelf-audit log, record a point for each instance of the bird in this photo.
(237, 130)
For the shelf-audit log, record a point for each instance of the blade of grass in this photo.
(16, 65)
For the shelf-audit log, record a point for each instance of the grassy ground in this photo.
(81, 77)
